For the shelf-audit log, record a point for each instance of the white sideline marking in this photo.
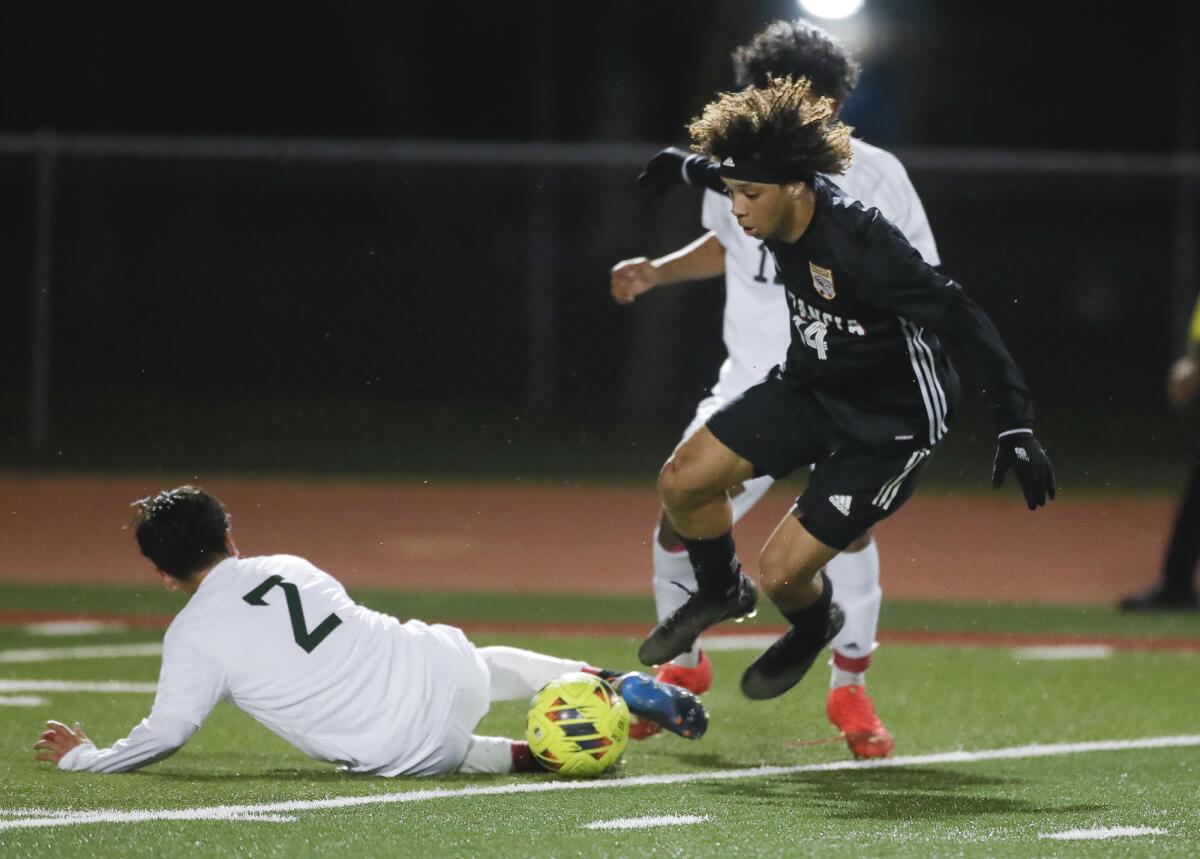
(738, 642)
(1063, 651)
(1101, 833)
(73, 627)
(232, 812)
(21, 701)
(98, 651)
(75, 686)
(647, 822)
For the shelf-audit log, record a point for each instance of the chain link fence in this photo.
(271, 296)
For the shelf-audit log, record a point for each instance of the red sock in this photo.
(523, 760)
(856, 665)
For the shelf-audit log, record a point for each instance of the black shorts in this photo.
(779, 428)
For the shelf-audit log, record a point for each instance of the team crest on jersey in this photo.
(822, 279)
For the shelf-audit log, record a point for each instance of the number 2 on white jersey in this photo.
(307, 640)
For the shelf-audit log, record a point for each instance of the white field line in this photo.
(76, 686)
(737, 642)
(74, 627)
(1102, 833)
(236, 812)
(1062, 651)
(98, 651)
(647, 822)
(21, 701)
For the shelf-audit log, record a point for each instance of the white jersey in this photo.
(756, 314)
(282, 641)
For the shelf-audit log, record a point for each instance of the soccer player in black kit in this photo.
(865, 395)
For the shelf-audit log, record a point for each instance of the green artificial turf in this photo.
(933, 698)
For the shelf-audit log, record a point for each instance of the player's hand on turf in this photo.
(57, 740)
(631, 277)
(1021, 452)
(672, 167)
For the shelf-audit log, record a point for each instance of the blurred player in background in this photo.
(1176, 590)
(283, 641)
(756, 339)
(865, 395)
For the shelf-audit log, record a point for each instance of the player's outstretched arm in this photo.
(673, 166)
(154, 739)
(699, 260)
(967, 328)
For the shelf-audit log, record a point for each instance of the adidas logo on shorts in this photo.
(841, 502)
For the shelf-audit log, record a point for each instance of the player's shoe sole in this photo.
(672, 708)
(679, 630)
(697, 680)
(852, 712)
(785, 662)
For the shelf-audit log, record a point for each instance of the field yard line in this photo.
(1062, 652)
(230, 812)
(76, 686)
(647, 822)
(1102, 833)
(575, 629)
(96, 651)
(74, 627)
(21, 701)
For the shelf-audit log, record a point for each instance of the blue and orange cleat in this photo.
(669, 707)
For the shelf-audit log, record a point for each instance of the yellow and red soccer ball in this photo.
(578, 726)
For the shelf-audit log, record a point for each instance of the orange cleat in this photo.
(697, 680)
(640, 729)
(850, 711)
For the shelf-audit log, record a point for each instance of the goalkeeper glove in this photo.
(673, 167)
(1019, 450)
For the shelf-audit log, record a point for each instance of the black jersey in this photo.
(862, 302)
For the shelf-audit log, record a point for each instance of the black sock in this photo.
(813, 620)
(715, 561)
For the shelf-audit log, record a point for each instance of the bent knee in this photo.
(682, 479)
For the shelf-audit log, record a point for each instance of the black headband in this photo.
(753, 170)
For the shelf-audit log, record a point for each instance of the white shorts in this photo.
(470, 706)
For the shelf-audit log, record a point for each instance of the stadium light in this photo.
(831, 9)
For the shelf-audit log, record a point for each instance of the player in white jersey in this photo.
(284, 642)
(756, 334)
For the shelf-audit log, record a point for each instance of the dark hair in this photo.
(182, 530)
(783, 125)
(799, 49)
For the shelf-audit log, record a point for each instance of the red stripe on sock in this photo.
(849, 663)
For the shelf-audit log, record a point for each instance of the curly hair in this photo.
(784, 125)
(182, 530)
(799, 49)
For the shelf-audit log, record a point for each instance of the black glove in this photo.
(1021, 452)
(673, 167)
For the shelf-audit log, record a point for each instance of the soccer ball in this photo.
(577, 725)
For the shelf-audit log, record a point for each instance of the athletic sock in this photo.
(813, 621)
(849, 670)
(716, 564)
(523, 760)
(605, 674)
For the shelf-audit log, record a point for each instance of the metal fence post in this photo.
(46, 152)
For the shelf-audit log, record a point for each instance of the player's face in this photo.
(762, 211)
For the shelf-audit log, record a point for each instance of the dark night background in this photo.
(384, 313)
